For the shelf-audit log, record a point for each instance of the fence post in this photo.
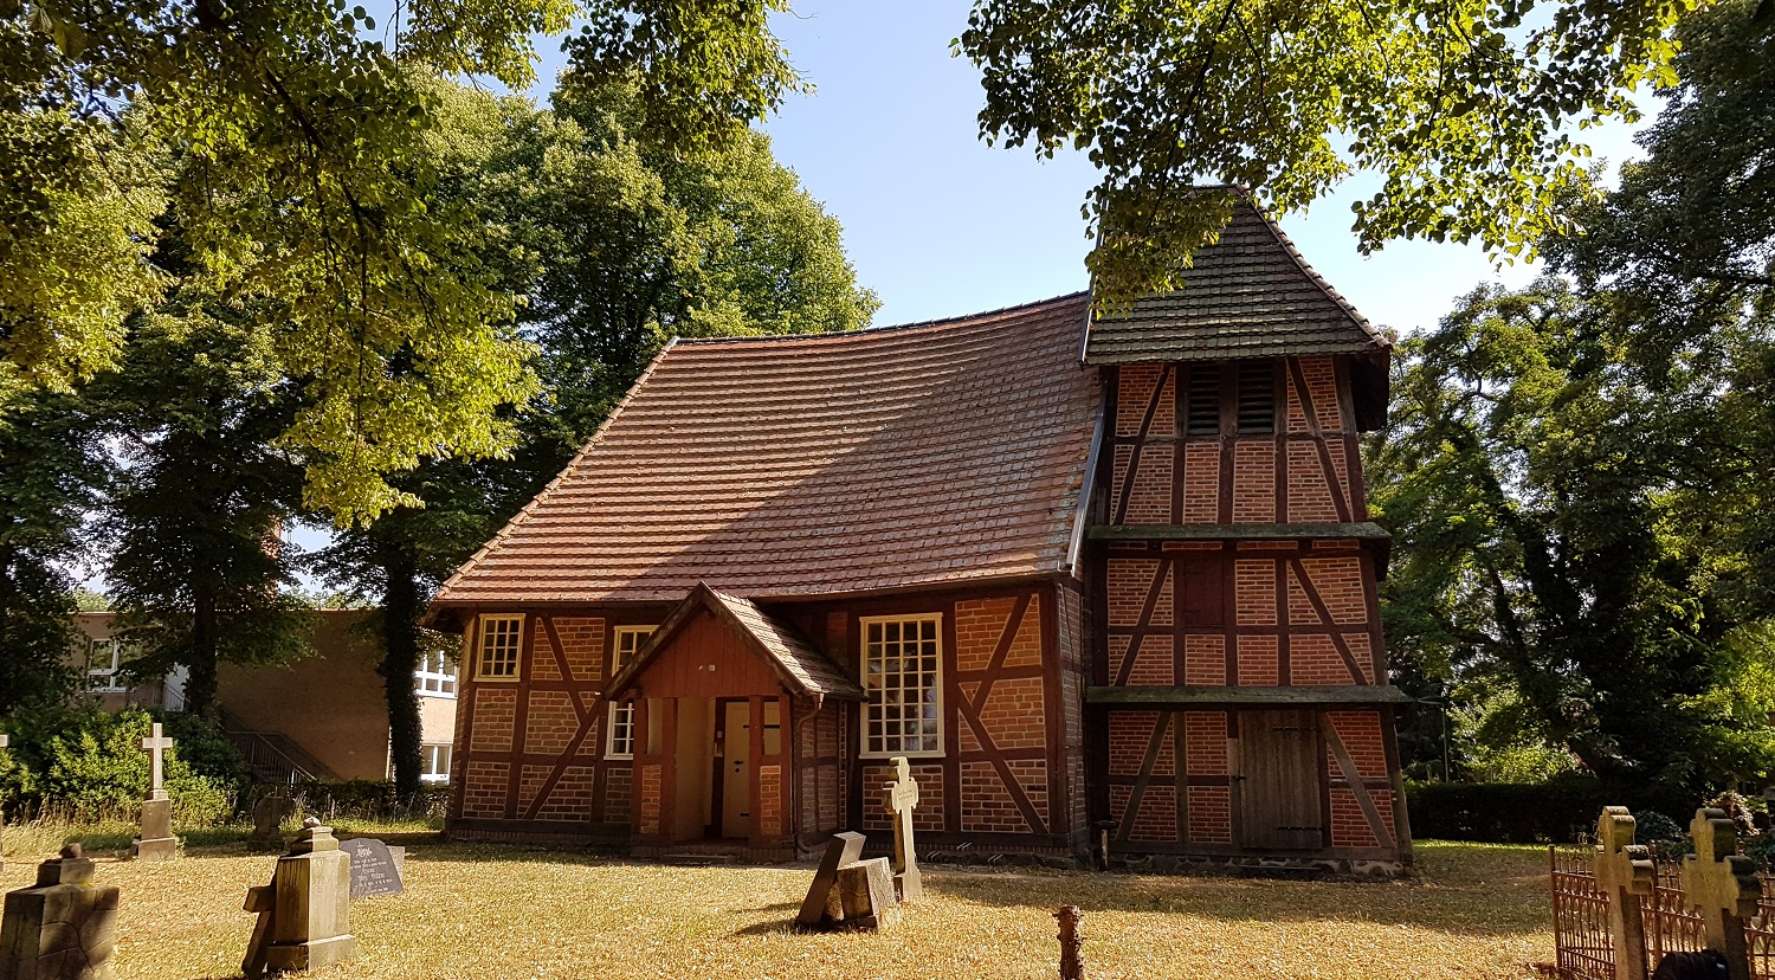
(1722, 886)
(1072, 955)
(1624, 873)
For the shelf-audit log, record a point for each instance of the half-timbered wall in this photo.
(1252, 613)
(1252, 780)
(530, 751)
(1306, 470)
(1011, 772)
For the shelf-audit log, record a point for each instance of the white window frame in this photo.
(436, 679)
(483, 627)
(623, 711)
(100, 680)
(869, 706)
(428, 753)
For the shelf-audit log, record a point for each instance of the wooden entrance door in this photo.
(1279, 756)
(735, 722)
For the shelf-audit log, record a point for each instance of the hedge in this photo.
(1557, 811)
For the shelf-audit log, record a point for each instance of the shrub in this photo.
(90, 765)
(1557, 811)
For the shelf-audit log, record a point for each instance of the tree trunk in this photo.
(200, 686)
(400, 641)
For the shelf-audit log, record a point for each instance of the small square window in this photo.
(436, 676)
(434, 763)
(502, 640)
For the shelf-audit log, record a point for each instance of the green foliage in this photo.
(198, 569)
(1554, 812)
(1463, 108)
(90, 765)
(291, 145)
(1501, 742)
(1574, 475)
(53, 469)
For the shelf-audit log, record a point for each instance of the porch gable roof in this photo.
(802, 668)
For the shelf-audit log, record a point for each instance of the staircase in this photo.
(273, 757)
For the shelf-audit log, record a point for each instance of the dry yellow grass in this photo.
(486, 911)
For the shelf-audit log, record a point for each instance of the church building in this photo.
(1104, 582)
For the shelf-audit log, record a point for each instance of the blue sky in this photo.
(938, 223)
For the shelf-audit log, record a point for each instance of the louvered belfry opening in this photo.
(1257, 397)
(1202, 400)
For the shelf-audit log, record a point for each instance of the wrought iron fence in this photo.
(1584, 946)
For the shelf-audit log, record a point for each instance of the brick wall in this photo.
(770, 801)
(1143, 481)
(929, 813)
(986, 804)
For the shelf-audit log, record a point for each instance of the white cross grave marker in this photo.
(156, 744)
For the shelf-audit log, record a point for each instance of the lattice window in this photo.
(435, 763)
(903, 675)
(1202, 400)
(621, 742)
(502, 637)
(436, 676)
(1257, 397)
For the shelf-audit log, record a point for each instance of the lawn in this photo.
(503, 911)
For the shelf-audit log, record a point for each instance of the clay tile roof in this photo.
(801, 666)
(1251, 294)
(934, 453)
(795, 657)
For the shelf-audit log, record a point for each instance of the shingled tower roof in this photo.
(1249, 295)
(937, 453)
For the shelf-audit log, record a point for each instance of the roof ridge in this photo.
(584, 450)
(890, 328)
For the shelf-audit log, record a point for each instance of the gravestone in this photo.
(866, 894)
(156, 842)
(268, 817)
(61, 928)
(1721, 885)
(821, 908)
(1624, 873)
(305, 913)
(902, 798)
(375, 868)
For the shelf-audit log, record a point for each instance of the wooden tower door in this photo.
(736, 768)
(1279, 762)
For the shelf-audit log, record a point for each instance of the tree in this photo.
(619, 239)
(53, 471)
(304, 186)
(199, 568)
(1464, 108)
(1557, 518)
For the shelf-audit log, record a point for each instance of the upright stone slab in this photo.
(866, 892)
(61, 928)
(156, 841)
(902, 799)
(820, 909)
(305, 913)
(1625, 873)
(268, 817)
(1722, 886)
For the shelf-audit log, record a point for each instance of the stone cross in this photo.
(155, 744)
(821, 908)
(902, 798)
(1625, 873)
(1722, 886)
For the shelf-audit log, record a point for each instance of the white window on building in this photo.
(621, 742)
(436, 676)
(434, 763)
(502, 637)
(903, 678)
(103, 659)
